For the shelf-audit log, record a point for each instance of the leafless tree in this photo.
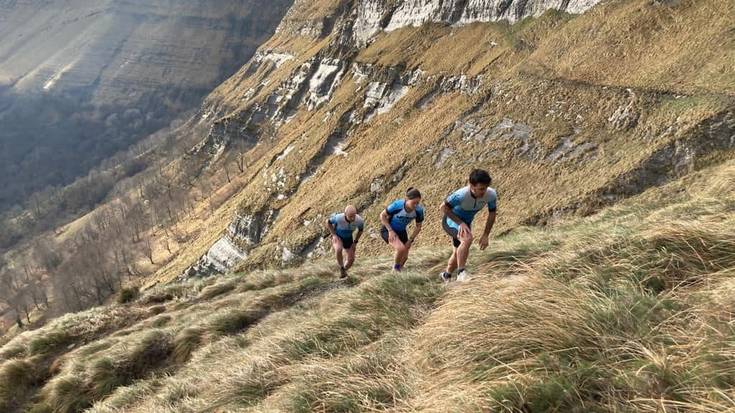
(138, 221)
(13, 294)
(148, 248)
(226, 167)
(240, 161)
(46, 256)
(167, 236)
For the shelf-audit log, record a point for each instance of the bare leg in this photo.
(337, 245)
(463, 251)
(350, 257)
(405, 258)
(401, 251)
(452, 263)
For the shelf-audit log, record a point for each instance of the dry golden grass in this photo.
(686, 46)
(627, 310)
(547, 73)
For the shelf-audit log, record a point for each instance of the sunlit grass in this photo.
(628, 310)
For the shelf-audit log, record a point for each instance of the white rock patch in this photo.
(224, 254)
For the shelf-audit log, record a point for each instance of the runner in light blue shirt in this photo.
(342, 226)
(459, 210)
(396, 218)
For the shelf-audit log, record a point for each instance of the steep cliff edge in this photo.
(82, 79)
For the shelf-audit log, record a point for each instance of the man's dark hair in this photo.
(413, 193)
(480, 176)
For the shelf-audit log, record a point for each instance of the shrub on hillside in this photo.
(127, 295)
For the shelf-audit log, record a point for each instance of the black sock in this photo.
(459, 270)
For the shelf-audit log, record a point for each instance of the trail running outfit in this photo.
(400, 219)
(344, 228)
(465, 206)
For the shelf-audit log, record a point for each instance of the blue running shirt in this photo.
(343, 228)
(400, 218)
(466, 206)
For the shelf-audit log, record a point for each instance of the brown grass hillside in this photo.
(627, 310)
(606, 287)
(598, 120)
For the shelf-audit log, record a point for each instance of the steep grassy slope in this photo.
(629, 309)
(568, 112)
(625, 310)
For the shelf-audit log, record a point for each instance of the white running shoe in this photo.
(445, 276)
(463, 276)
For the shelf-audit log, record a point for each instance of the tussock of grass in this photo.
(12, 351)
(185, 342)
(16, 376)
(236, 321)
(127, 295)
(162, 294)
(81, 383)
(127, 396)
(374, 380)
(50, 342)
(65, 394)
(157, 309)
(217, 289)
(108, 373)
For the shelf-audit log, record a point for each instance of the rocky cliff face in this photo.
(355, 101)
(376, 15)
(98, 75)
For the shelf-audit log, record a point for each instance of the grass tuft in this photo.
(127, 295)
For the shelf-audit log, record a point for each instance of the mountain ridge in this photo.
(297, 86)
(97, 77)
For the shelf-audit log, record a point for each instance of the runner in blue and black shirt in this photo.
(396, 218)
(459, 210)
(342, 226)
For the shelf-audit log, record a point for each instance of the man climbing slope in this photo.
(459, 210)
(396, 218)
(342, 227)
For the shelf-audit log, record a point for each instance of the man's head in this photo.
(350, 213)
(413, 198)
(479, 182)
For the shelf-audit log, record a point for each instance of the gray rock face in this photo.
(122, 50)
(625, 116)
(312, 84)
(376, 15)
(244, 232)
(379, 89)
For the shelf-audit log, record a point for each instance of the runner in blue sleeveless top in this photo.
(459, 210)
(396, 218)
(342, 226)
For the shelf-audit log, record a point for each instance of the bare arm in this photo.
(330, 227)
(416, 231)
(385, 221)
(446, 210)
(490, 222)
(488, 226)
(357, 237)
(463, 227)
